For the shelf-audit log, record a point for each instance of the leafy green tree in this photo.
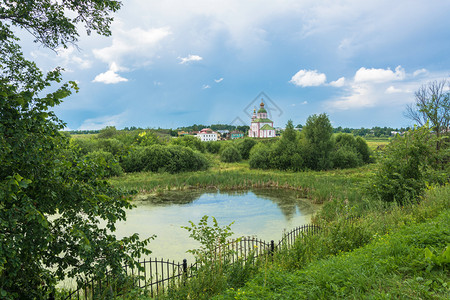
(407, 168)
(286, 152)
(51, 203)
(318, 132)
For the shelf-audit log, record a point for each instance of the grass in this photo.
(317, 186)
(392, 263)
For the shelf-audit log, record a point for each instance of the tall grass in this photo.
(317, 186)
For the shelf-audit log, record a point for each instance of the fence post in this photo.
(184, 271)
(272, 247)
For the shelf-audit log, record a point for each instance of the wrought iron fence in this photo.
(157, 275)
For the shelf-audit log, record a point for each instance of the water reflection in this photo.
(261, 212)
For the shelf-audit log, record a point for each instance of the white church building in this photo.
(261, 126)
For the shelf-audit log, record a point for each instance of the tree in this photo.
(318, 132)
(51, 199)
(432, 104)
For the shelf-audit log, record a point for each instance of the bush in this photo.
(105, 162)
(260, 157)
(213, 147)
(230, 154)
(160, 158)
(189, 141)
(346, 157)
(406, 169)
(245, 146)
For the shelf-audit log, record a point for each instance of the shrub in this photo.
(189, 141)
(260, 156)
(160, 158)
(406, 168)
(213, 147)
(105, 162)
(230, 154)
(245, 146)
(346, 157)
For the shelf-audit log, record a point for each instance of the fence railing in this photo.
(157, 275)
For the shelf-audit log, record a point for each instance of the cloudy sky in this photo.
(174, 63)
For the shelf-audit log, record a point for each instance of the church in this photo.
(261, 126)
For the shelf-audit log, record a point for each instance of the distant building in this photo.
(207, 135)
(261, 126)
(181, 133)
(235, 134)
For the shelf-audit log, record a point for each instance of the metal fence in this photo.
(157, 275)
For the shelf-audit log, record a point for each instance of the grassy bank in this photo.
(406, 255)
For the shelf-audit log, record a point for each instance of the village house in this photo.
(207, 135)
(236, 134)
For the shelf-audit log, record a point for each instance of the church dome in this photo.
(262, 109)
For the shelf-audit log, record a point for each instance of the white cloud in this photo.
(103, 121)
(304, 102)
(190, 58)
(218, 80)
(110, 76)
(393, 90)
(305, 78)
(420, 72)
(136, 43)
(206, 86)
(338, 83)
(379, 75)
(361, 96)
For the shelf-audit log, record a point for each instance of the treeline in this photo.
(314, 148)
(374, 131)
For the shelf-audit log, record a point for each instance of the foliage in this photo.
(160, 158)
(107, 132)
(51, 200)
(286, 153)
(213, 147)
(260, 157)
(230, 154)
(105, 164)
(189, 141)
(318, 132)
(405, 171)
(244, 146)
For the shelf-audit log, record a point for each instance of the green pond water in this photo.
(263, 213)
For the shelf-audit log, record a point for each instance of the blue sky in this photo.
(175, 63)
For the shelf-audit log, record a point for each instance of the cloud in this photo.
(103, 121)
(190, 58)
(392, 90)
(110, 76)
(420, 72)
(361, 96)
(136, 43)
(206, 86)
(218, 80)
(306, 78)
(338, 83)
(379, 75)
(304, 102)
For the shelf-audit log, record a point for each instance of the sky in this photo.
(176, 63)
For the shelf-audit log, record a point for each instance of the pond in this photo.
(263, 213)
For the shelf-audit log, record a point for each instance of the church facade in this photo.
(261, 126)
